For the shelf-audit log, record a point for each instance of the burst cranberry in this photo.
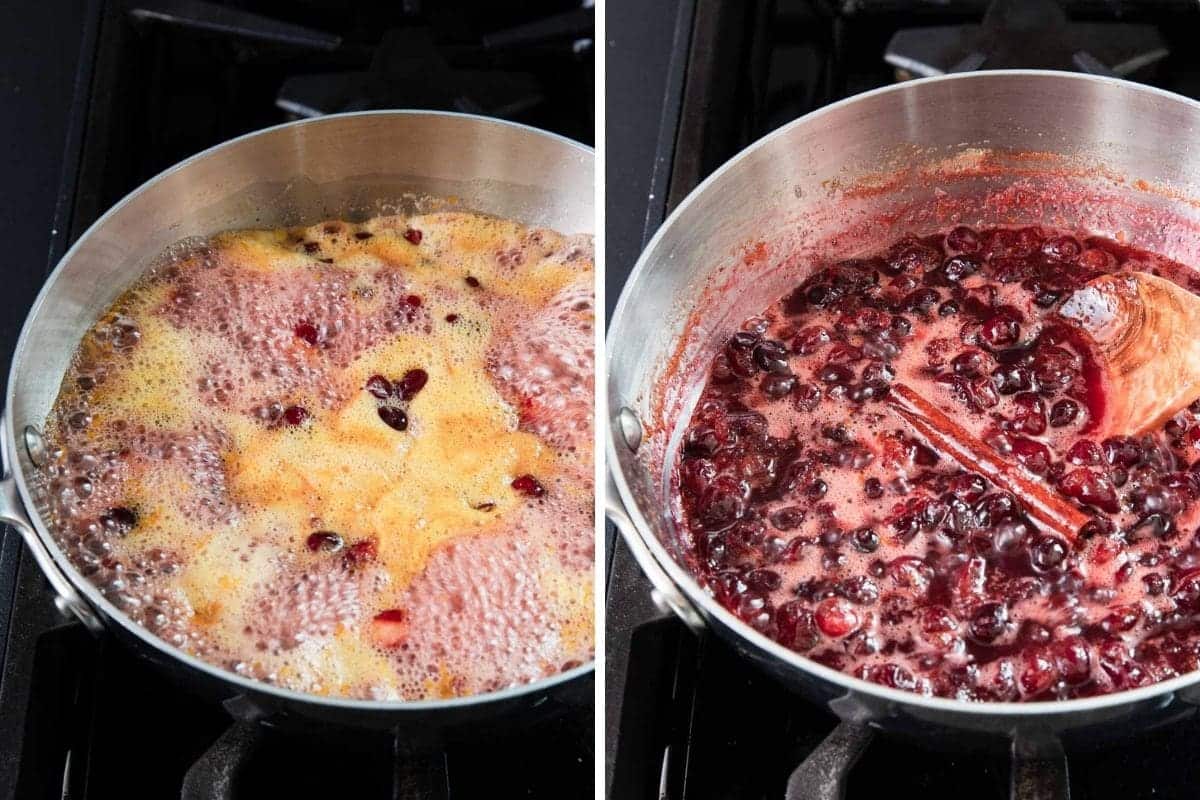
(379, 387)
(1091, 489)
(324, 541)
(361, 552)
(1029, 414)
(393, 417)
(1034, 456)
(796, 626)
(295, 415)
(389, 629)
(810, 340)
(1000, 330)
(959, 267)
(528, 486)
(836, 618)
(1039, 671)
(1084, 453)
(910, 572)
(1121, 451)
(413, 236)
(307, 332)
(1062, 248)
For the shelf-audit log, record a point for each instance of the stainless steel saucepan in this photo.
(349, 166)
(1011, 147)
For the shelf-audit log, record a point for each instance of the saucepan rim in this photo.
(109, 611)
(683, 579)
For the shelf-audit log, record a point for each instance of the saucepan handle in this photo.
(667, 596)
(12, 511)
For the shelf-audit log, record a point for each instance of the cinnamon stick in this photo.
(944, 435)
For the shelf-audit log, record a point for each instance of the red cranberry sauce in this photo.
(815, 516)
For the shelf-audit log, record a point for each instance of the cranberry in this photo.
(771, 356)
(413, 382)
(776, 386)
(295, 415)
(1063, 413)
(472, 281)
(1047, 554)
(324, 541)
(379, 387)
(1034, 456)
(393, 417)
(528, 486)
(865, 540)
(1073, 658)
(722, 504)
(817, 489)
(859, 590)
(1084, 453)
(988, 622)
(362, 236)
(796, 627)
(307, 332)
(835, 617)
(763, 581)
(1062, 248)
(892, 675)
(361, 552)
(910, 572)
(970, 363)
(1091, 489)
(1000, 330)
(968, 487)
(838, 374)
(963, 239)
(389, 629)
(1009, 379)
(119, 520)
(1053, 368)
(413, 236)
(1121, 451)
(1029, 416)
(810, 340)
(1039, 671)
(873, 488)
(959, 267)
(806, 396)
(452, 318)
(788, 518)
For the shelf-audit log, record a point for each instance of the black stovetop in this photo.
(698, 80)
(101, 95)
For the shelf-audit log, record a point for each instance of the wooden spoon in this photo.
(1145, 334)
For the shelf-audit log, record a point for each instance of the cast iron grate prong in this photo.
(822, 776)
(212, 775)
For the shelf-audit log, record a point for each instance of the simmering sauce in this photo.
(350, 459)
(822, 520)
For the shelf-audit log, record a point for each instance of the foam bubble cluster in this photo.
(349, 459)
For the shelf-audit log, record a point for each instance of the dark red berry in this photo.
(413, 236)
(307, 332)
(413, 382)
(295, 415)
(393, 417)
(452, 318)
(528, 486)
(472, 281)
(324, 541)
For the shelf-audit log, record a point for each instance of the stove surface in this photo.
(698, 80)
(103, 95)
